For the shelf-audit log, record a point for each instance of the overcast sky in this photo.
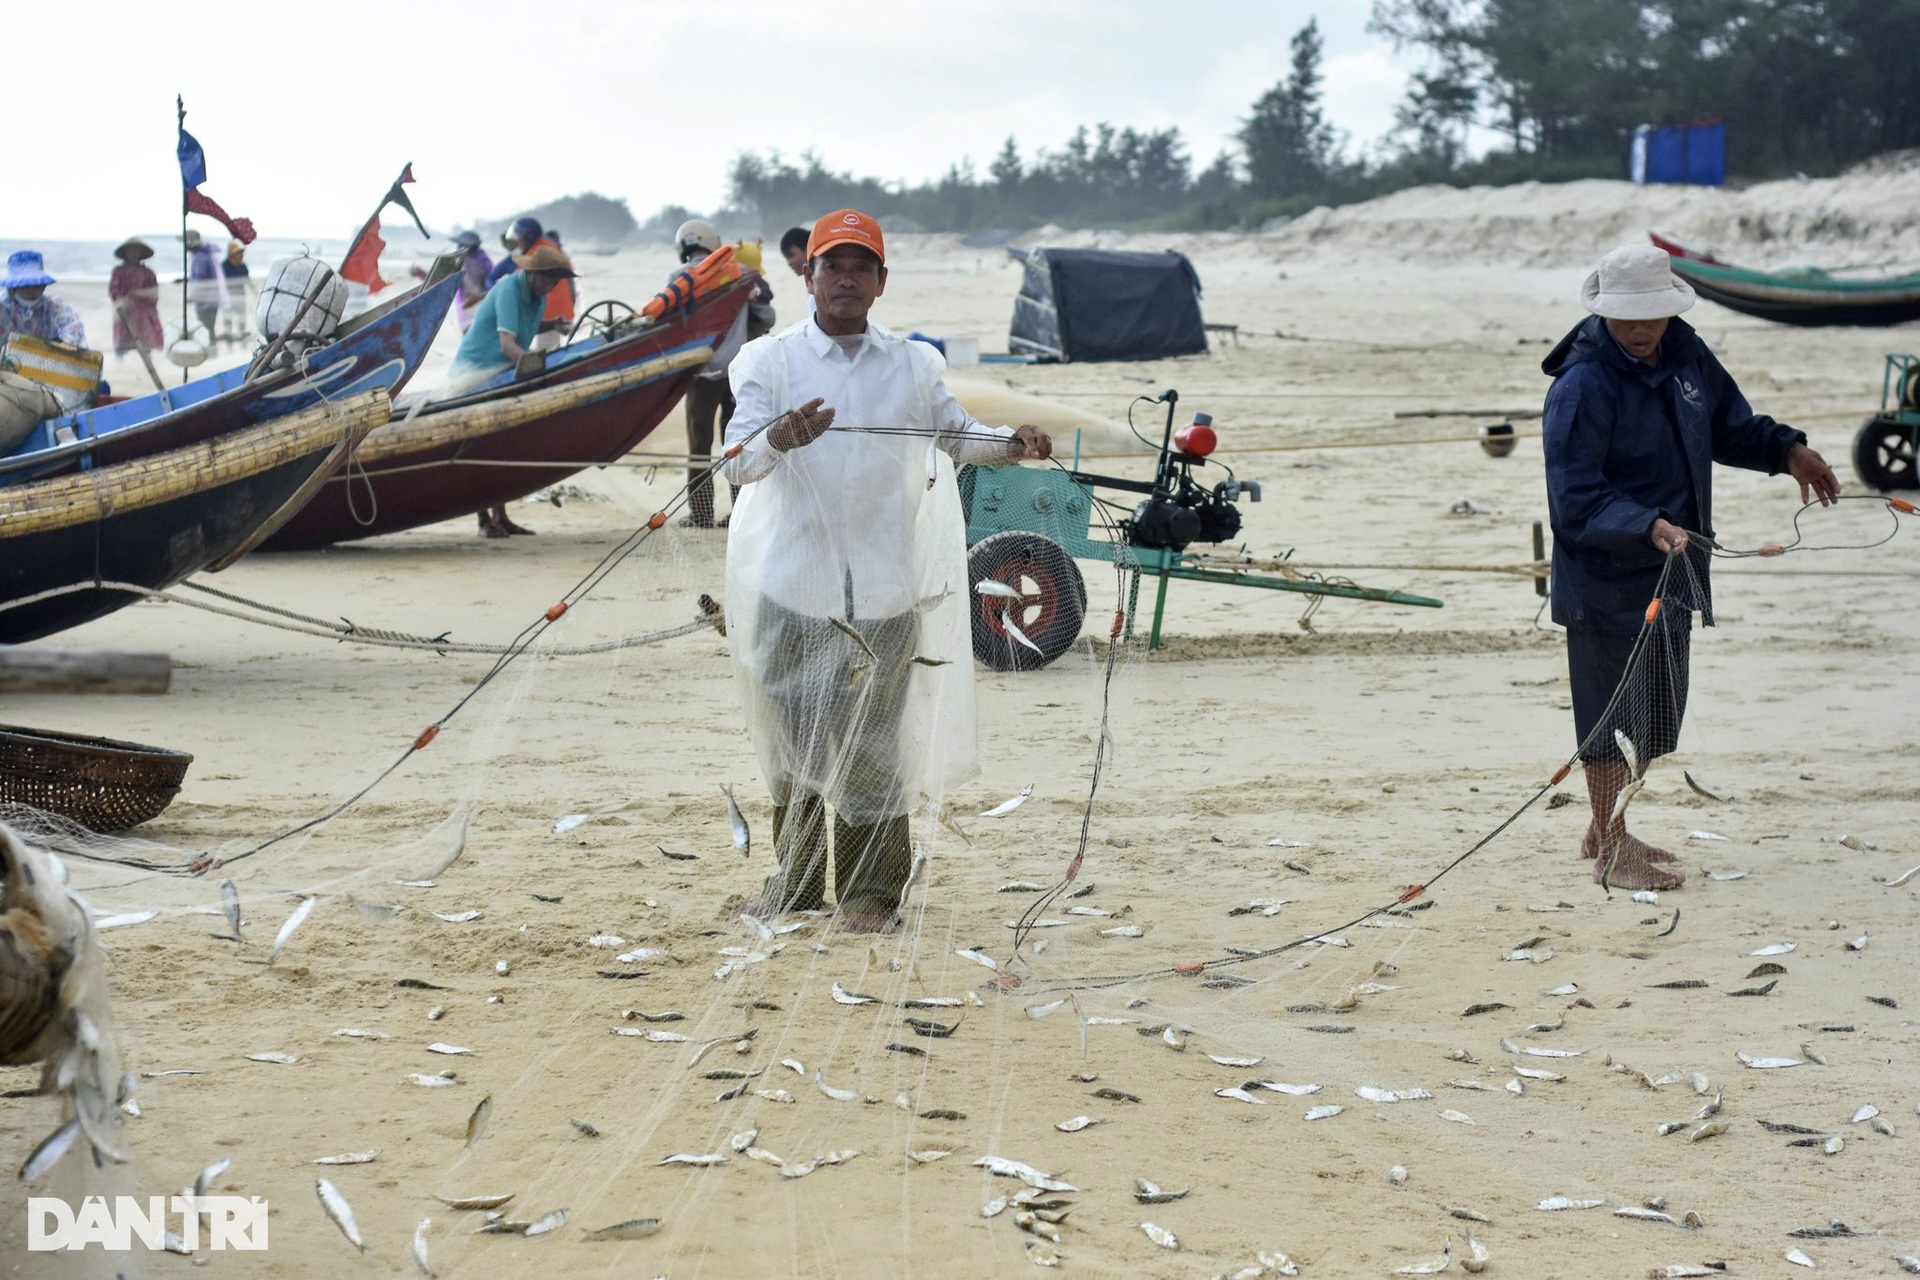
(307, 111)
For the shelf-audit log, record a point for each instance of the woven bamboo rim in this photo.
(65, 502)
(431, 430)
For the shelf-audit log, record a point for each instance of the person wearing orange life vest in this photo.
(708, 395)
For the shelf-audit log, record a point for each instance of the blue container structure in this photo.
(1687, 154)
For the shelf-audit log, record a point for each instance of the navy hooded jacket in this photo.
(1628, 443)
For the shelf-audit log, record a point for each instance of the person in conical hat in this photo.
(135, 293)
(1638, 414)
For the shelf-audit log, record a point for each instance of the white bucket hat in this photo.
(1636, 282)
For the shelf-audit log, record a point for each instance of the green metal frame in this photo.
(1045, 501)
(1898, 367)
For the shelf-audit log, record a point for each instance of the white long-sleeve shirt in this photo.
(844, 511)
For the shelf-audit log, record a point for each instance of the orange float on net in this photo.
(1902, 505)
(1653, 609)
(733, 451)
(1190, 966)
(553, 614)
(427, 735)
(1119, 621)
(1773, 549)
(656, 520)
(1560, 775)
(1411, 892)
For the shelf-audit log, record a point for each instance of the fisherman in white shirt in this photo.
(847, 580)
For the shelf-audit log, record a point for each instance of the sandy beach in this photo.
(1253, 760)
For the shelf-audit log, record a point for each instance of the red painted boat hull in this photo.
(444, 481)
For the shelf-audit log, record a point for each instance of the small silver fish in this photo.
(1328, 1111)
(928, 604)
(1006, 807)
(420, 1258)
(697, 1161)
(1002, 1167)
(1625, 744)
(294, 921)
(1013, 629)
(339, 1210)
(455, 917)
(1150, 1193)
(550, 1222)
(351, 1157)
(843, 996)
(931, 662)
(852, 633)
(742, 837)
(1160, 1235)
(230, 908)
(477, 1121)
(1438, 1265)
(838, 1095)
(988, 587)
(475, 1202)
(1241, 1095)
(429, 1082)
(1478, 1256)
(929, 1154)
(50, 1151)
(1557, 1204)
(274, 1056)
(631, 1229)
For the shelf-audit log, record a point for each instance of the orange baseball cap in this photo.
(846, 226)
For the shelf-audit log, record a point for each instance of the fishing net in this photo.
(826, 1093)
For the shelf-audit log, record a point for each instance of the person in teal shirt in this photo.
(503, 329)
(505, 324)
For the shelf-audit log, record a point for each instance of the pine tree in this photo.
(1288, 143)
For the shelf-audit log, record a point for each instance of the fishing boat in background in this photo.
(599, 396)
(381, 348)
(1805, 296)
(152, 521)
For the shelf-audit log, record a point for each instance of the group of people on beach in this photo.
(843, 543)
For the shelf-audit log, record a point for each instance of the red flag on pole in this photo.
(362, 263)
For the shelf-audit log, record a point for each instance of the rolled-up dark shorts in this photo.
(1649, 709)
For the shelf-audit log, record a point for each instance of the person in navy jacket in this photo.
(1639, 412)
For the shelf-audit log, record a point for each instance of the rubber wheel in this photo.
(1883, 454)
(1052, 606)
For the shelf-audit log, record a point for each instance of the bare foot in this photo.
(1634, 870)
(1589, 848)
(492, 530)
(516, 528)
(868, 922)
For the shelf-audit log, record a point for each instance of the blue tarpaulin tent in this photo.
(1694, 154)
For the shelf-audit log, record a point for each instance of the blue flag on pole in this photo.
(193, 160)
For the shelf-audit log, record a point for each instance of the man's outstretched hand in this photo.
(800, 426)
(1031, 442)
(1815, 476)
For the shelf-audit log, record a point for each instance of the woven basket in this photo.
(101, 784)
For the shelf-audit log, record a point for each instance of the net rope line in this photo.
(1643, 649)
(350, 632)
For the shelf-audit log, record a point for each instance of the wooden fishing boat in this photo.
(598, 398)
(155, 520)
(1804, 296)
(381, 348)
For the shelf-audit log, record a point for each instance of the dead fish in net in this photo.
(1434, 1267)
(843, 996)
(550, 1222)
(1012, 628)
(1006, 807)
(351, 1157)
(988, 587)
(1160, 1235)
(1766, 970)
(742, 837)
(476, 1202)
(339, 1211)
(1558, 1204)
(1149, 1193)
(631, 1229)
(230, 908)
(477, 1121)
(697, 1161)
(294, 921)
(421, 1258)
(931, 1029)
(1001, 1167)
(53, 1003)
(1756, 991)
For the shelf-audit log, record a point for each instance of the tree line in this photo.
(1508, 90)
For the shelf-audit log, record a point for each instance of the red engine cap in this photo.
(1196, 440)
